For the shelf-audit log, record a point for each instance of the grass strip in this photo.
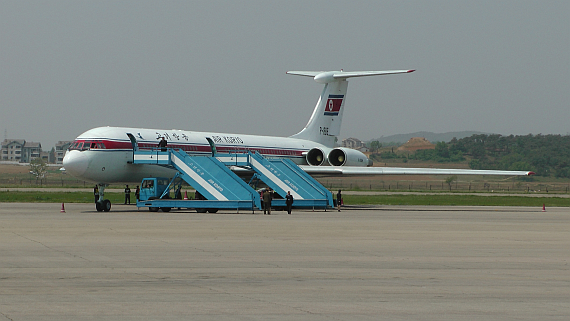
(58, 197)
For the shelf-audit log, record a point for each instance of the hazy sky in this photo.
(486, 65)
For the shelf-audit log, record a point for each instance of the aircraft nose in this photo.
(75, 162)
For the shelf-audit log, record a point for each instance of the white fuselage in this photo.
(104, 154)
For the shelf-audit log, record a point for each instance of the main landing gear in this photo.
(102, 204)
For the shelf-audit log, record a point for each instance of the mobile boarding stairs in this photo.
(222, 188)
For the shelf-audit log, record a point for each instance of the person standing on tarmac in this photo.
(162, 144)
(96, 193)
(127, 195)
(289, 202)
(267, 196)
(137, 193)
(338, 200)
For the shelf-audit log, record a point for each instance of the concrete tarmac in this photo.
(384, 263)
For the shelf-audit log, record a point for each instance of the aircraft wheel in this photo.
(106, 205)
(166, 209)
(99, 206)
(212, 210)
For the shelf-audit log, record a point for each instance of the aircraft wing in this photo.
(349, 170)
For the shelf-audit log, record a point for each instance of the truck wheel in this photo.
(152, 209)
(166, 209)
(212, 210)
(201, 210)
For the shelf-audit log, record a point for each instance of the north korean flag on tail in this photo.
(333, 105)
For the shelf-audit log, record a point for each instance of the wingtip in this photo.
(411, 70)
(531, 173)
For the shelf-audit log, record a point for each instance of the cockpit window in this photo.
(86, 145)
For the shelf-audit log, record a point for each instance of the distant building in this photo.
(18, 150)
(12, 150)
(353, 143)
(30, 151)
(60, 149)
(45, 156)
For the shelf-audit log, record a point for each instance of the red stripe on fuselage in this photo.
(92, 144)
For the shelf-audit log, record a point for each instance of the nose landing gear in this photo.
(102, 204)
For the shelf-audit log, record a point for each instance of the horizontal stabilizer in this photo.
(324, 77)
(304, 73)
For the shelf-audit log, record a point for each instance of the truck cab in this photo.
(153, 188)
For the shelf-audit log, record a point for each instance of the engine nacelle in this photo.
(347, 157)
(317, 156)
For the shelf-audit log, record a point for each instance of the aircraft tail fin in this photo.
(324, 125)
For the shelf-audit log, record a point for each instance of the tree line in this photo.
(546, 155)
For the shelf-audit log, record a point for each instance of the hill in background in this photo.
(416, 143)
(400, 139)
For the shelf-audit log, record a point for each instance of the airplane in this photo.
(104, 155)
